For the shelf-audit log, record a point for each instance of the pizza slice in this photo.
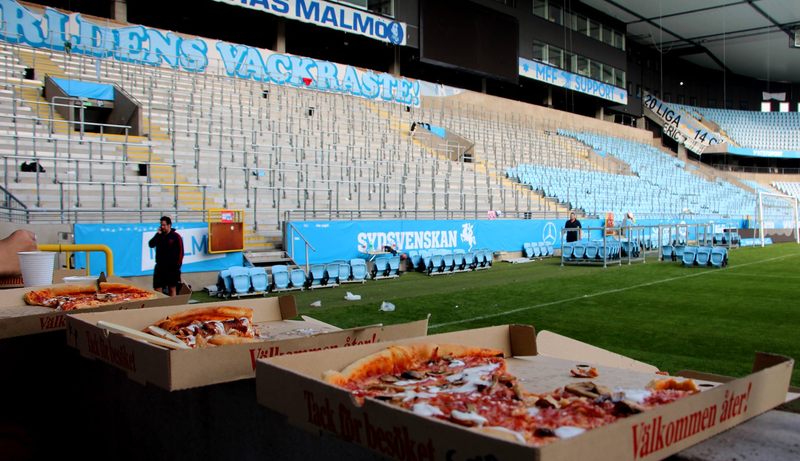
(215, 326)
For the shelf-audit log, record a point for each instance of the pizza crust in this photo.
(395, 359)
(203, 314)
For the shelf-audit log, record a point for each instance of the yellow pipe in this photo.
(87, 247)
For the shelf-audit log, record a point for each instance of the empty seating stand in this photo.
(595, 252)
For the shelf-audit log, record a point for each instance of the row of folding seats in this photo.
(386, 267)
(242, 281)
(537, 249)
(705, 256)
(591, 251)
(449, 261)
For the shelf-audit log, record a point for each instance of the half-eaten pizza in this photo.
(215, 326)
(70, 297)
(472, 387)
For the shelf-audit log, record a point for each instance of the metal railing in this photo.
(290, 232)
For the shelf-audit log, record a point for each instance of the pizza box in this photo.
(187, 368)
(20, 319)
(292, 386)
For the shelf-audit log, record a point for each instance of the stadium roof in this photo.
(746, 37)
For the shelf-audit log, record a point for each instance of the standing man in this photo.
(169, 257)
(572, 223)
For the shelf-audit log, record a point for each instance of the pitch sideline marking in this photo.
(602, 293)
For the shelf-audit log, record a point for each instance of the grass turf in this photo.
(673, 317)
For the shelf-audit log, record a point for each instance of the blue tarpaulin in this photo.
(78, 89)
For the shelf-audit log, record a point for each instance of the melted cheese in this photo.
(516, 434)
(456, 363)
(635, 395)
(565, 432)
(468, 417)
(472, 377)
(410, 395)
(423, 409)
(533, 411)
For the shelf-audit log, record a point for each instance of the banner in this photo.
(680, 125)
(153, 47)
(764, 153)
(332, 16)
(133, 256)
(561, 78)
(347, 239)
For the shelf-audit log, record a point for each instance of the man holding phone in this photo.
(169, 257)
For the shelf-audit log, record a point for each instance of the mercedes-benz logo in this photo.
(549, 233)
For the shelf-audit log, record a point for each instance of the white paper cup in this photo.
(37, 267)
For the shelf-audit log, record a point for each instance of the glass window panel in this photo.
(594, 30)
(581, 25)
(554, 13)
(540, 8)
(582, 65)
(608, 35)
(538, 51)
(608, 74)
(619, 78)
(569, 62)
(594, 69)
(618, 40)
(554, 56)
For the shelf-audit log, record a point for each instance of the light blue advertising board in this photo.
(133, 256)
(561, 78)
(332, 16)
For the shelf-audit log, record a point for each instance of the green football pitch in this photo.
(670, 316)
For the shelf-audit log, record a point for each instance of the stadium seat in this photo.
(280, 278)
(332, 270)
(298, 278)
(460, 259)
(703, 256)
(579, 251)
(380, 267)
(689, 256)
(225, 282)
(527, 250)
(414, 258)
(678, 252)
(394, 266)
(667, 253)
(344, 271)
(550, 249)
(358, 270)
(469, 258)
(566, 251)
(719, 257)
(259, 279)
(448, 261)
(591, 250)
(317, 276)
(241, 279)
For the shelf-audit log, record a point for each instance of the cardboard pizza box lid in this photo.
(20, 319)
(183, 369)
(293, 387)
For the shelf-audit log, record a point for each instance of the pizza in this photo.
(472, 387)
(208, 326)
(71, 297)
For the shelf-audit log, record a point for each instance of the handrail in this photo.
(305, 241)
(85, 247)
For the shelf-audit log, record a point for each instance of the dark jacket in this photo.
(169, 248)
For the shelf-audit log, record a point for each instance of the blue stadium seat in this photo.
(344, 271)
(527, 250)
(550, 249)
(470, 259)
(689, 256)
(703, 256)
(460, 259)
(678, 252)
(280, 278)
(448, 261)
(333, 273)
(394, 266)
(414, 258)
(259, 279)
(592, 250)
(317, 276)
(567, 251)
(358, 269)
(380, 267)
(241, 279)
(298, 278)
(579, 251)
(719, 257)
(667, 253)
(227, 281)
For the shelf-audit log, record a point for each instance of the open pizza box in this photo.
(20, 319)
(187, 368)
(293, 387)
